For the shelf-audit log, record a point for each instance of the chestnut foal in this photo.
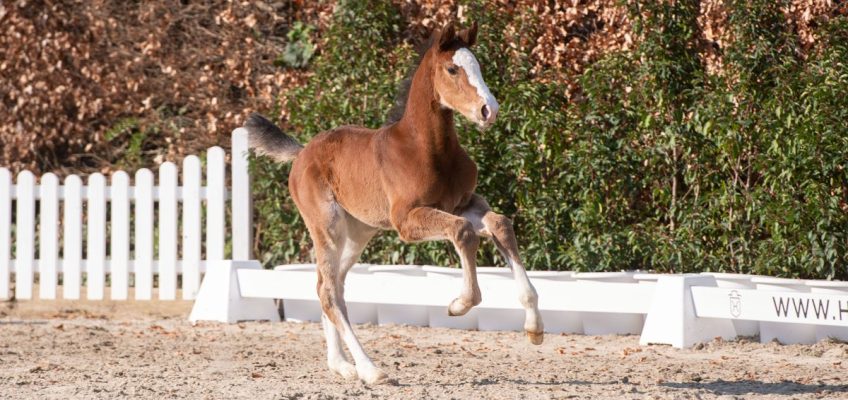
(411, 176)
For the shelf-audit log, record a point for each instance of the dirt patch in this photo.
(148, 350)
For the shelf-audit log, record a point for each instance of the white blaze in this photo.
(465, 59)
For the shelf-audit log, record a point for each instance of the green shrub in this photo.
(660, 165)
(299, 49)
(741, 170)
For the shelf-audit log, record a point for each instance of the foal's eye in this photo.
(453, 69)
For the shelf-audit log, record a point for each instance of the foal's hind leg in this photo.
(330, 238)
(358, 235)
(499, 228)
(350, 251)
(336, 359)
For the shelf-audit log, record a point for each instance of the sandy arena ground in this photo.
(63, 350)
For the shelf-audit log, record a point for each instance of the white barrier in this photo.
(409, 296)
(679, 310)
(392, 312)
(832, 288)
(738, 281)
(672, 319)
(782, 331)
(599, 323)
(691, 308)
(224, 295)
(130, 260)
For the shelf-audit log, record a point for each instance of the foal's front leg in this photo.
(425, 223)
(499, 228)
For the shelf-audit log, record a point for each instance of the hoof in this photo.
(536, 337)
(345, 369)
(457, 307)
(374, 376)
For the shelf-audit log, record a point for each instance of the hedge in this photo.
(659, 163)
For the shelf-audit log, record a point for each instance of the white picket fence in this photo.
(102, 214)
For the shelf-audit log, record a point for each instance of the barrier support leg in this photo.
(672, 319)
(219, 297)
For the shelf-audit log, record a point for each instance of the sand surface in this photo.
(69, 350)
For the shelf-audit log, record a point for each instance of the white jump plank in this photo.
(168, 227)
(215, 218)
(5, 231)
(120, 241)
(410, 290)
(192, 230)
(770, 306)
(143, 234)
(72, 238)
(25, 235)
(270, 284)
(47, 236)
(610, 297)
(242, 212)
(300, 285)
(96, 240)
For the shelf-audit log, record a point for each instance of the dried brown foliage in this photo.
(576, 33)
(187, 72)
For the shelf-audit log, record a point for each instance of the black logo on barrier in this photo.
(735, 304)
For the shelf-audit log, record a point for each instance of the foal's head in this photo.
(456, 76)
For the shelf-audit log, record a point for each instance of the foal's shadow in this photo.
(485, 381)
(744, 387)
(23, 322)
(498, 381)
(719, 387)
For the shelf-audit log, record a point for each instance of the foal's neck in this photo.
(424, 119)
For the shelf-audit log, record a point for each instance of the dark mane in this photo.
(396, 113)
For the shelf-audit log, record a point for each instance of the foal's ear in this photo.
(469, 36)
(447, 36)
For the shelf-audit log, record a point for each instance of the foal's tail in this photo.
(267, 139)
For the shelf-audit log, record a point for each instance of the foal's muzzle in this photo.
(488, 114)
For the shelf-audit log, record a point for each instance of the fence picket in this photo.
(72, 238)
(143, 234)
(5, 231)
(216, 191)
(242, 213)
(47, 238)
(24, 235)
(120, 241)
(168, 228)
(192, 234)
(96, 227)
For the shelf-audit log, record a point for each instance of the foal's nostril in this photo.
(485, 112)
